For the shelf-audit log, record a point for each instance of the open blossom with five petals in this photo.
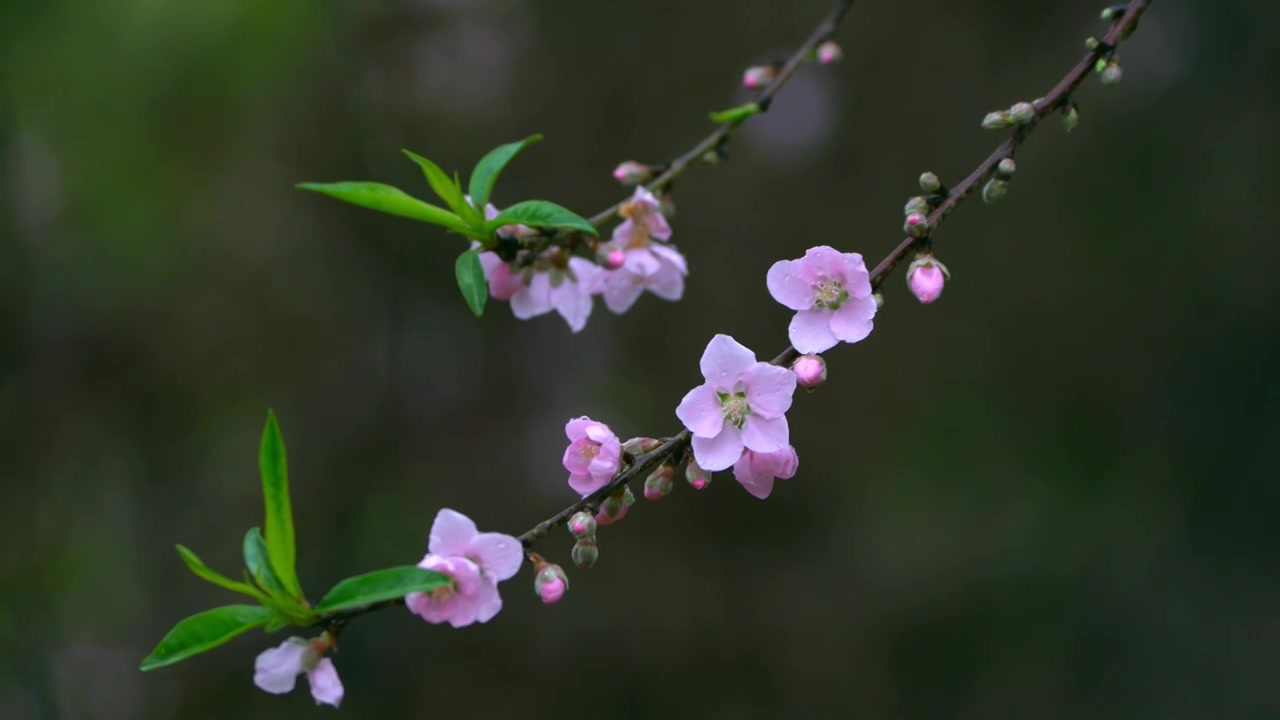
(831, 291)
(592, 456)
(475, 561)
(756, 471)
(743, 404)
(276, 670)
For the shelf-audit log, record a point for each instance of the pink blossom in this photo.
(550, 583)
(756, 471)
(926, 278)
(810, 370)
(758, 76)
(276, 670)
(831, 292)
(643, 220)
(742, 404)
(660, 269)
(592, 456)
(475, 561)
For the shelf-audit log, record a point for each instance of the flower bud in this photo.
(929, 182)
(582, 524)
(615, 506)
(754, 78)
(916, 226)
(1112, 13)
(1006, 168)
(1070, 117)
(829, 52)
(997, 120)
(1091, 43)
(695, 475)
(810, 370)
(632, 173)
(640, 446)
(994, 190)
(614, 259)
(1100, 65)
(916, 205)
(879, 298)
(926, 278)
(1112, 73)
(1022, 113)
(550, 582)
(585, 553)
(659, 482)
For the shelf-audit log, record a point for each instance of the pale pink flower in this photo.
(276, 670)
(810, 370)
(742, 404)
(592, 456)
(831, 291)
(756, 471)
(643, 220)
(660, 269)
(475, 561)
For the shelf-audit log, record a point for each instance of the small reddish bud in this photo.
(695, 475)
(632, 173)
(829, 52)
(582, 524)
(614, 259)
(615, 506)
(659, 482)
(810, 370)
(754, 78)
(916, 226)
(585, 553)
(926, 278)
(639, 446)
(550, 582)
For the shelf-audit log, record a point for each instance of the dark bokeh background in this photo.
(1051, 494)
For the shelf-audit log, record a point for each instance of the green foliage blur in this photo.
(1046, 495)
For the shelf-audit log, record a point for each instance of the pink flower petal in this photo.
(451, 533)
(623, 232)
(700, 411)
(276, 670)
(824, 261)
(498, 554)
(769, 389)
(668, 283)
(764, 435)
(585, 484)
(853, 321)
(724, 361)
(788, 285)
(856, 279)
(326, 686)
(534, 299)
(487, 603)
(810, 331)
(719, 452)
(758, 484)
(669, 254)
(659, 228)
(621, 290)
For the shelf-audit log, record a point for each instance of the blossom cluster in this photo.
(636, 258)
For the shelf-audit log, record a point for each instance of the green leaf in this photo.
(201, 570)
(471, 281)
(388, 199)
(449, 190)
(540, 213)
(257, 560)
(735, 115)
(486, 171)
(380, 585)
(281, 552)
(205, 631)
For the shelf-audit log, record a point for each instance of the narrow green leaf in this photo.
(449, 190)
(257, 560)
(471, 281)
(203, 571)
(281, 552)
(540, 213)
(205, 631)
(388, 199)
(486, 171)
(380, 585)
(735, 115)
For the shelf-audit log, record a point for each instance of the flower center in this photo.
(638, 214)
(442, 594)
(735, 408)
(830, 294)
(588, 451)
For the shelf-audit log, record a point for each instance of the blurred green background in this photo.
(1045, 496)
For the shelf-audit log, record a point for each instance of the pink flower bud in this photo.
(916, 225)
(615, 259)
(926, 278)
(550, 583)
(582, 524)
(632, 173)
(585, 553)
(829, 52)
(615, 506)
(659, 482)
(640, 446)
(695, 475)
(811, 371)
(754, 78)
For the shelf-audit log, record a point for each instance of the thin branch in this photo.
(677, 444)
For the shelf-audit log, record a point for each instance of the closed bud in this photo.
(926, 277)
(550, 582)
(754, 78)
(810, 370)
(916, 226)
(614, 507)
(879, 298)
(659, 482)
(640, 446)
(829, 52)
(917, 206)
(582, 524)
(996, 120)
(1091, 43)
(994, 190)
(1022, 113)
(1100, 65)
(929, 182)
(1070, 117)
(613, 259)
(1111, 13)
(585, 553)
(633, 173)
(695, 475)
(1006, 168)
(1112, 73)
